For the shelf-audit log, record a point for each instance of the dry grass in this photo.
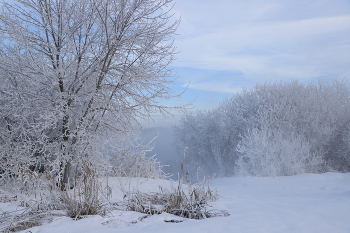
(31, 213)
(85, 198)
(189, 201)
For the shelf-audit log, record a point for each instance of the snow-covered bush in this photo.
(264, 152)
(131, 160)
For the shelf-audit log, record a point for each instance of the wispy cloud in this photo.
(262, 40)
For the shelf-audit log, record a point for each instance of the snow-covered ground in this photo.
(310, 203)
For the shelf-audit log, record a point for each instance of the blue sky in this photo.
(225, 45)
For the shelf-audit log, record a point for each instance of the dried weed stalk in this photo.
(189, 201)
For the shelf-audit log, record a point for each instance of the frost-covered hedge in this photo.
(273, 129)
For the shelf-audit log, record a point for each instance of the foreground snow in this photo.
(303, 203)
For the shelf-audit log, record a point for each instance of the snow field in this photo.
(307, 203)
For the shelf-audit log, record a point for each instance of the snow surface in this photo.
(312, 203)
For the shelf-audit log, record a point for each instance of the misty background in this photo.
(225, 46)
(162, 138)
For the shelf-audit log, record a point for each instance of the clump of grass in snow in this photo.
(189, 202)
(85, 198)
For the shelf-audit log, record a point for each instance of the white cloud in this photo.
(216, 87)
(265, 40)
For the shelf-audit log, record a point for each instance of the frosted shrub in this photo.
(130, 160)
(273, 153)
(136, 165)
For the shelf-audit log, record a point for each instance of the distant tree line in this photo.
(273, 129)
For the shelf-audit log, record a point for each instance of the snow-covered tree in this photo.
(75, 73)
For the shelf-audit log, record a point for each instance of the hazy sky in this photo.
(227, 44)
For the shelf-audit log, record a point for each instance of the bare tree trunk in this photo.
(66, 175)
